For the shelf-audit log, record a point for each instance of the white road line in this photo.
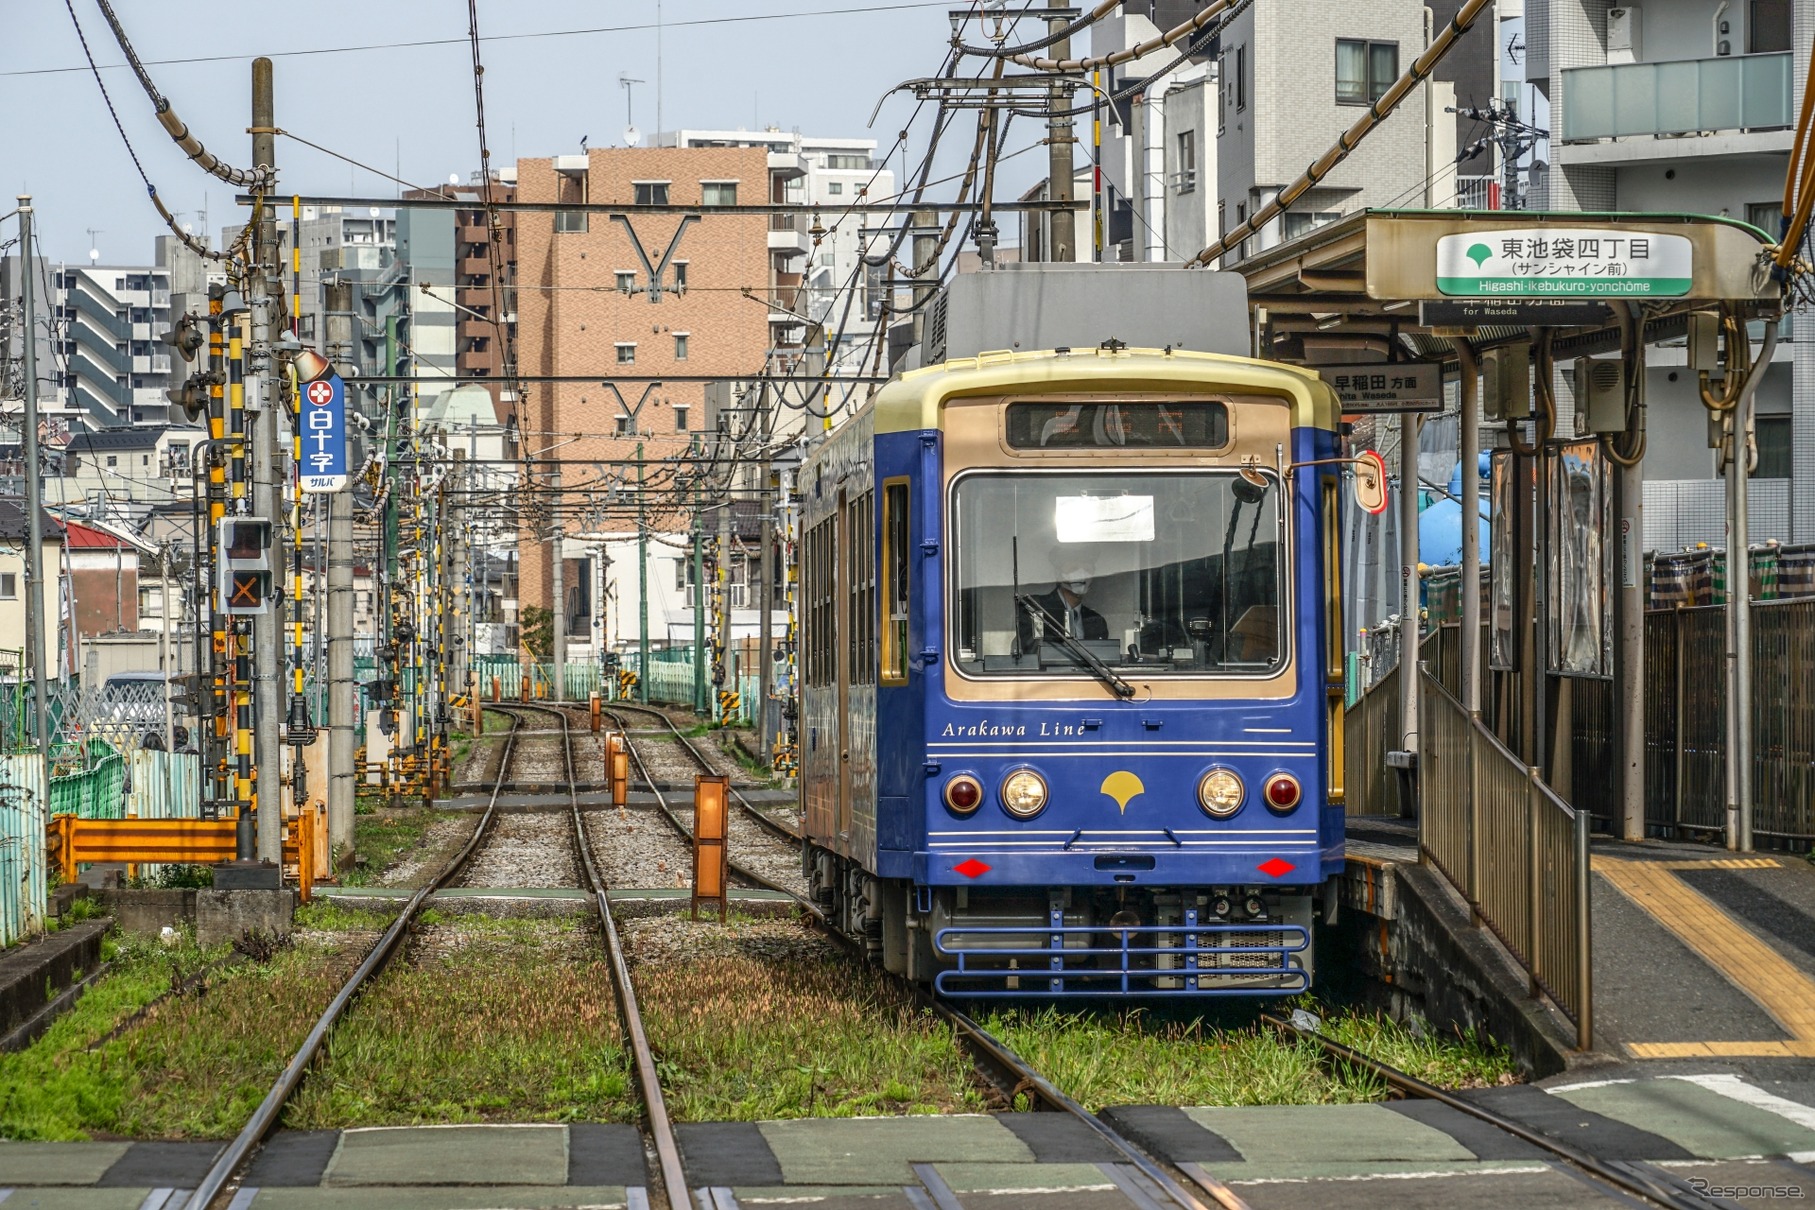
(1733, 1087)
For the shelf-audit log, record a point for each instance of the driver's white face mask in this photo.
(1077, 587)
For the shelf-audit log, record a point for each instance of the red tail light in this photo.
(1282, 792)
(963, 793)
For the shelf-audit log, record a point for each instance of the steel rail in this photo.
(1631, 1178)
(264, 1118)
(649, 1082)
(774, 826)
(984, 1046)
(674, 821)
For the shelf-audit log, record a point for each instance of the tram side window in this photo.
(819, 604)
(861, 595)
(895, 581)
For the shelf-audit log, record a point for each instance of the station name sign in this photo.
(1395, 386)
(1564, 262)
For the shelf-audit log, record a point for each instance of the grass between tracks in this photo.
(1134, 1058)
(384, 837)
(193, 1064)
(744, 1039)
(490, 1019)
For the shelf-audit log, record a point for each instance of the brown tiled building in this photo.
(586, 309)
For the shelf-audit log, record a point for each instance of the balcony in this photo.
(788, 235)
(1730, 94)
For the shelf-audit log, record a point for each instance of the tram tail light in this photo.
(963, 794)
(1283, 792)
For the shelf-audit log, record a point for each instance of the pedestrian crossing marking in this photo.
(1745, 961)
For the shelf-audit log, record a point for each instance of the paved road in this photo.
(1713, 1126)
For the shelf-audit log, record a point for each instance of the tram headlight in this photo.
(1221, 793)
(963, 794)
(1024, 794)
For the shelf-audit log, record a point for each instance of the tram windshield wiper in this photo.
(1081, 653)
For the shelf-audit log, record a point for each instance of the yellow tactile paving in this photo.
(1721, 863)
(1743, 960)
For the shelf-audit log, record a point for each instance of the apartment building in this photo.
(1684, 106)
(479, 345)
(108, 366)
(641, 310)
(817, 257)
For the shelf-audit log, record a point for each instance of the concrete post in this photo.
(1470, 424)
(557, 587)
(262, 405)
(1061, 223)
(36, 623)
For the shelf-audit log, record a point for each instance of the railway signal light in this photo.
(193, 397)
(185, 337)
(246, 581)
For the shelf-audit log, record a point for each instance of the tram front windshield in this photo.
(1152, 573)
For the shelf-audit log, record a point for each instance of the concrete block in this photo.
(148, 911)
(226, 915)
(33, 974)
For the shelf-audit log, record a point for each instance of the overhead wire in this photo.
(1376, 113)
(1090, 18)
(1137, 51)
(194, 245)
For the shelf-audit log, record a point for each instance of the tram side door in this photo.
(843, 586)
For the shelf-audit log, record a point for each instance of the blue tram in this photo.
(1071, 668)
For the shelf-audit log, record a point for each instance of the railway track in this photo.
(1646, 1182)
(668, 1181)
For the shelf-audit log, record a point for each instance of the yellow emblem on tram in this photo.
(1123, 787)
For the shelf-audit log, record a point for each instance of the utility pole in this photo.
(342, 741)
(558, 587)
(1511, 136)
(699, 603)
(35, 621)
(642, 586)
(1062, 223)
(262, 402)
(724, 676)
(765, 658)
(925, 223)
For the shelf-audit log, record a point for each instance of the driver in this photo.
(1065, 612)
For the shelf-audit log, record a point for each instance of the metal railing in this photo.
(1732, 92)
(1514, 850)
(1369, 728)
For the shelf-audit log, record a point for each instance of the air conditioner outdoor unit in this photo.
(1623, 34)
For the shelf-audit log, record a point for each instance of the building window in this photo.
(1294, 223)
(1185, 179)
(624, 429)
(9, 585)
(834, 188)
(1769, 30)
(651, 193)
(627, 282)
(680, 276)
(1364, 70)
(1766, 216)
(680, 346)
(1774, 461)
(680, 417)
(1241, 78)
(570, 222)
(112, 460)
(627, 354)
(836, 160)
(718, 193)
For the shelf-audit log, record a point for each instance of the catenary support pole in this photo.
(1470, 424)
(1408, 590)
(642, 585)
(342, 740)
(1739, 605)
(37, 620)
(725, 666)
(557, 592)
(1063, 223)
(1629, 598)
(262, 401)
(765, 623)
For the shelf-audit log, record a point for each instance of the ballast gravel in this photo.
(636, 850)
(440, 842)
(525, 849)
(657, 937)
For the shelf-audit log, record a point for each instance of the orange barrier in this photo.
(77, 842)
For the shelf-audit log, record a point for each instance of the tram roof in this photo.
(1357, 284)
(912, 401)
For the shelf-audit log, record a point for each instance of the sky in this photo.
(409, 109)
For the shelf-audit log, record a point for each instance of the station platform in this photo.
(1699, 954)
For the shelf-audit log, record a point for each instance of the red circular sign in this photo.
(321, 393)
